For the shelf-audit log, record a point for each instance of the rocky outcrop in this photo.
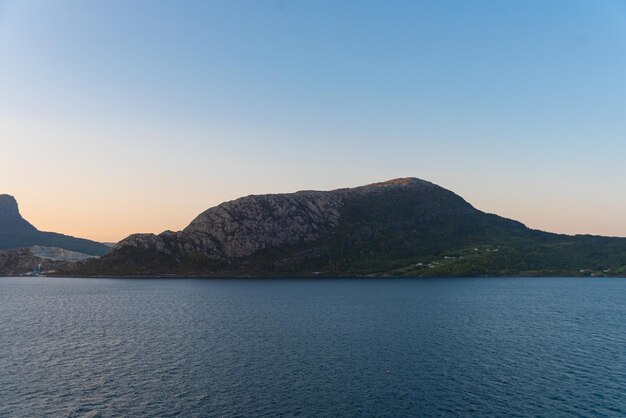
(8, 206)
(10, 218)
(16, 232)
(245, 226)
(58, 254)
(21, 261)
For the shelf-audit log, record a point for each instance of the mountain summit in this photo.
(15, 231)
(10, 217)
(400, 227)
(8, 206)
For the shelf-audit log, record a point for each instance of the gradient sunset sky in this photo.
(134, 116)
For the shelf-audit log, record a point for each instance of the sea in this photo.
(366, 347)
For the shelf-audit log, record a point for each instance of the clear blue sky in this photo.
(133, 116)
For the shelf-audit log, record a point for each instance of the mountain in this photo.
(402, 227)
(11, 220)
(17, 232)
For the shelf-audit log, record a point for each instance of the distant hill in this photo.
(16, 232)
(20, 261)
(402, 227)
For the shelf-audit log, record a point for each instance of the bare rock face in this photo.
(145, 241)
(20, 261)
(59, 254)
(247, 225)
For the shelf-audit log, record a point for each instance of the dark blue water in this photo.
(370, 347)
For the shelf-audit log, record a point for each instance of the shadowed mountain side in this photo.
(403, 227)
(16, 232)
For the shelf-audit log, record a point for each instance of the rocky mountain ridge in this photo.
(244, 226)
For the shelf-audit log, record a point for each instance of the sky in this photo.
(119, 117)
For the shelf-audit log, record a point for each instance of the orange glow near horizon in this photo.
(107, 189)
(519, 109)
(88, 215)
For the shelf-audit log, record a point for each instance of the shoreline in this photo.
(304, 277)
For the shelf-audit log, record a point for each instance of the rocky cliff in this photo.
(21, 261)
(10, 218)
(16, 232)
(245, 226)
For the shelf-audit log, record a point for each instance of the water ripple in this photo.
(266, 348)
